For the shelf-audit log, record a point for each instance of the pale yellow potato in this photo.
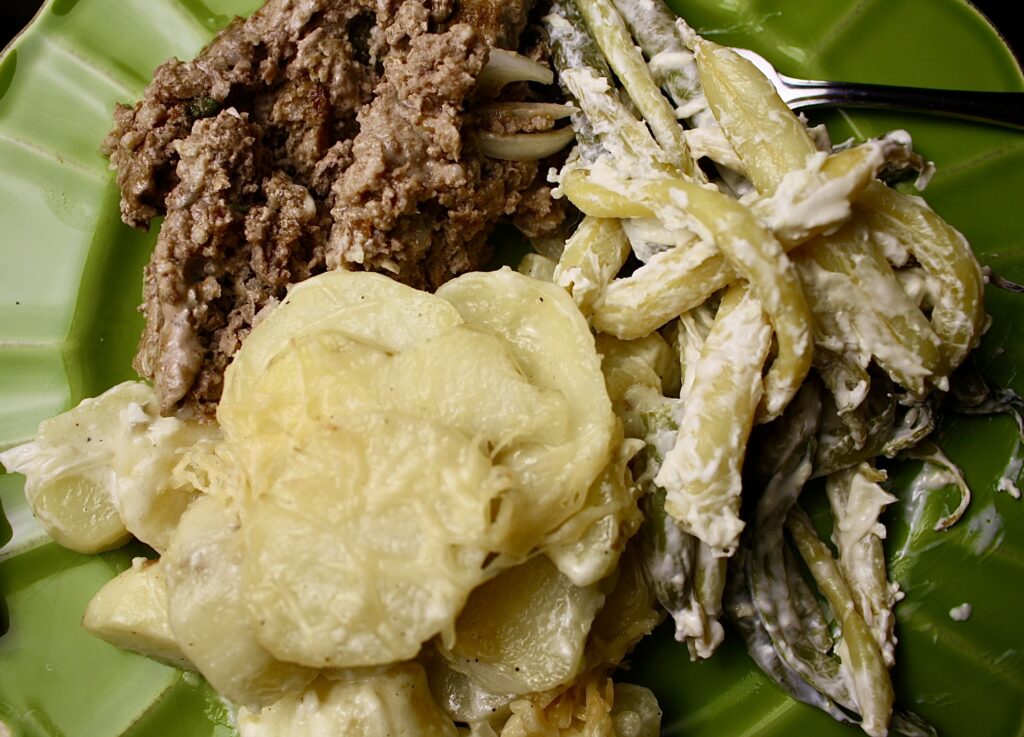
(635, 711)
(148, 493)
(537, 266)
(630, 613)
(369, 542)
(586, 549)
(525, 630)
(103, 470)
(352, 307)
(461, 697)
(471, 381)
(130, 611)
(395, 703)
(462, 378)
(648, 361)
(554, 348)
(68, 468)
(208, 617)
(381, 466)
(78, 514)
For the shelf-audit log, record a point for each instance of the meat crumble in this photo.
(314, 135)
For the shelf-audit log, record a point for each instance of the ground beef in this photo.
(315, 134)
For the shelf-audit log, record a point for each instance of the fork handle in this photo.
(1003, 108)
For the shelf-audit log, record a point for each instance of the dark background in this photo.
(14, 14)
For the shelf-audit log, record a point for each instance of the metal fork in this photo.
(1000, 108)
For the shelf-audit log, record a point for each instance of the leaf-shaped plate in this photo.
(70, 281)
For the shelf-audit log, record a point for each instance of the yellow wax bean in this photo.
(751, 250)
(625, 59)
(817, 198)
(701, 474)
(870, 678)
(671, 283)
(959, 313)
(909, 350)
(768, 137)
(681, 278)
(626, 139)
(591, 259)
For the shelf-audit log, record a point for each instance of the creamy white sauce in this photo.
(961, 613)
(710, 142)
(1009, 479)
(931, 478)
(985, 529)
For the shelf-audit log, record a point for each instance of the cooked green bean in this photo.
(857, 500)
(740, 608)
(959, 314)
(790, 468)
(870, 678)
(672, 65)
(627, 62)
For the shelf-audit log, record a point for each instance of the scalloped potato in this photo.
(395, 703)
(208, 617)
(399, 449)
(102, 471)
(525, 630)
(394, 476)
(130, 611)
(555, 348)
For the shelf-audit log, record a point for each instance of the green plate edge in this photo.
(70, 281)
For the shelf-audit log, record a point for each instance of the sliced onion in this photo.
(523, 146)
(504, 67)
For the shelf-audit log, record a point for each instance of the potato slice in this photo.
(148, 495)
(363, 307)
(629, 614)
(460, 697)
(635, 711)
(130, 611)
(384, 464)
(369, 542)
(554, 348)
(461, 378)
(471, 381)
(207, 615)
(69, 476)
(104, 469)
(395, 703)
(362, 317)
(77, 513)
(587, 547)
(525, 630)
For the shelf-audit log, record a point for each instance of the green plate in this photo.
(70, 281)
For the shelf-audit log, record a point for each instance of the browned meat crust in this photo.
(315, 134)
